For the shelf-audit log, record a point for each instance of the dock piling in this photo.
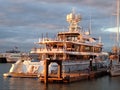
(46, 66)
(46, 72)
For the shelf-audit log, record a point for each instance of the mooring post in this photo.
(90, 66)
(59, 69)
(46, 72)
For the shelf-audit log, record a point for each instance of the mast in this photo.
(118, 14)
(90, 25)
(73, 19)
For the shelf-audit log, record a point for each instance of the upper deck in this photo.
(75, 41)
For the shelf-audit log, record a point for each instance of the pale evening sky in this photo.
(22, 22)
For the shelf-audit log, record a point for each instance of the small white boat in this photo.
(115, 70)
(12, 55)
(114, 67)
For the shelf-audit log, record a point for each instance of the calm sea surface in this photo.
(103, 83)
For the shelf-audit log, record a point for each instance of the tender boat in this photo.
(115, 70)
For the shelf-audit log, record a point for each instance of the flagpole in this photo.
(118, 14)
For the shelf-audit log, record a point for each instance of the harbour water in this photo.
(102, 83)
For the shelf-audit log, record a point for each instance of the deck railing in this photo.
(38, 50)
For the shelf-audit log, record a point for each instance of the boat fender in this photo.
(35, 69)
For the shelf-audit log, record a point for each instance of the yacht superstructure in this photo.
(74, 44)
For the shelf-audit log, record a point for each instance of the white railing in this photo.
(38, 50)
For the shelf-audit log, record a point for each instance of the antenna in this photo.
(100, 40)
(46, 35)
(73, 19)
(42, 36)
(90, 25)
(73, 10)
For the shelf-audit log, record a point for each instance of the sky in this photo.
(22, 22)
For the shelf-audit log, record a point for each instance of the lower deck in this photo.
(74, 76)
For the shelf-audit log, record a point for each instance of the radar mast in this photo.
(73, 19)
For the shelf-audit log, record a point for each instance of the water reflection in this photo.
(24, 84)
(103, 83)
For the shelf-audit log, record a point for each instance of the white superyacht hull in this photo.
(37, 68)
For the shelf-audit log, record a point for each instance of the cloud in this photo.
(23, 21)
(113, 29)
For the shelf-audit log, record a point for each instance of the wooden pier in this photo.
(69, 77)
(73, 77)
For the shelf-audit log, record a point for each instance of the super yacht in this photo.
(74, 47)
